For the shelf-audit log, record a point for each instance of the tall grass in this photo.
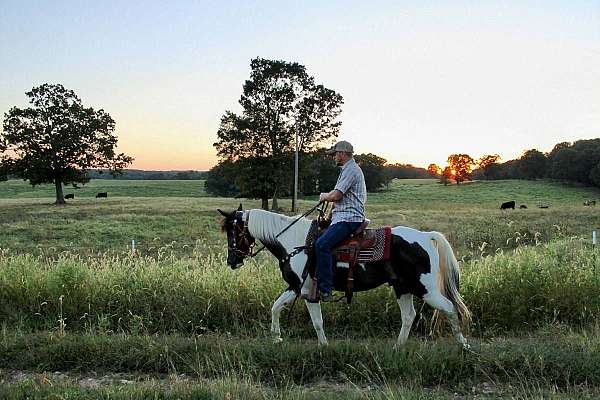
(512, 291)
(556, 282)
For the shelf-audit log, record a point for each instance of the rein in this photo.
(253, 254)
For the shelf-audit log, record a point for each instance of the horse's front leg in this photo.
(317, 319)
(285, 298)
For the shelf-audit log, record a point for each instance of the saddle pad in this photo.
(381, 249)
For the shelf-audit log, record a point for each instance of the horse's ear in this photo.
(222, 213)
(240, 207)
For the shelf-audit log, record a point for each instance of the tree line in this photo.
(576, 162)
(138, 174)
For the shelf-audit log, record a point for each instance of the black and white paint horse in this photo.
(422, 264)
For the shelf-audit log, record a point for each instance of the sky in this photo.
(420, 79)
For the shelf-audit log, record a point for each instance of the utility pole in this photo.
(295, 200)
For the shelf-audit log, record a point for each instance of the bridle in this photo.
(243, 238)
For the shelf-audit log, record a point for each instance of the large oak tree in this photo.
(279, 100)
(57, 140)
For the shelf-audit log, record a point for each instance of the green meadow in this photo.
(17, 189)
(74, 297)
(177, 223)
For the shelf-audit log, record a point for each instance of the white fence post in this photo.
(594, 240)
(132, 246)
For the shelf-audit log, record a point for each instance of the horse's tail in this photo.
(449, 276)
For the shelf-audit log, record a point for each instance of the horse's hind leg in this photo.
(438, 301)
(314, 310)
(407, 312)
(285, 298)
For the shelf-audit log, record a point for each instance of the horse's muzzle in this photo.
(235, 263)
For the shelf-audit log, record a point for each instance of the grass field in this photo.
(16, 189)
(179, 224)
(74, 299)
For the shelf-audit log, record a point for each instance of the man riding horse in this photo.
(349, 197)
(417, 263)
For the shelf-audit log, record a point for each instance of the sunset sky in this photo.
(420, 79)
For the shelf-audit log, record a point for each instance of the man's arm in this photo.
(333, 196)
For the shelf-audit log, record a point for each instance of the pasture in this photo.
(173, 318)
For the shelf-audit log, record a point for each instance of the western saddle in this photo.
(347, 253)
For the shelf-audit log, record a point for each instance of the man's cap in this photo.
(341, 146)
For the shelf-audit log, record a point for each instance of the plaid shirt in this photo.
(351, 182)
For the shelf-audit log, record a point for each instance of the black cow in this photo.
(522, 206)
(507, 205)
(69, 196)
(543, 206)
(102, 194)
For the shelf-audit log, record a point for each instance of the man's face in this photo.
(340, 158)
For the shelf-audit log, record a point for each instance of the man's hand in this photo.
(333, 196)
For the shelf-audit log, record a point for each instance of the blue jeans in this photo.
(333, 236)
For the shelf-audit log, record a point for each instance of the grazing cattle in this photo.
(543, 206)
(102, 194)
(589, 203)
(69, 196)
(507, 205)
(522, 206)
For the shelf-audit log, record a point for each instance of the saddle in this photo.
(364, 245)
(361, 239)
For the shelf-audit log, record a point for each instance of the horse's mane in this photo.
(265, 226)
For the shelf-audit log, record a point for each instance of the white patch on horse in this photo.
(264, 226)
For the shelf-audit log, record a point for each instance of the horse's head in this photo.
(239, 240)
